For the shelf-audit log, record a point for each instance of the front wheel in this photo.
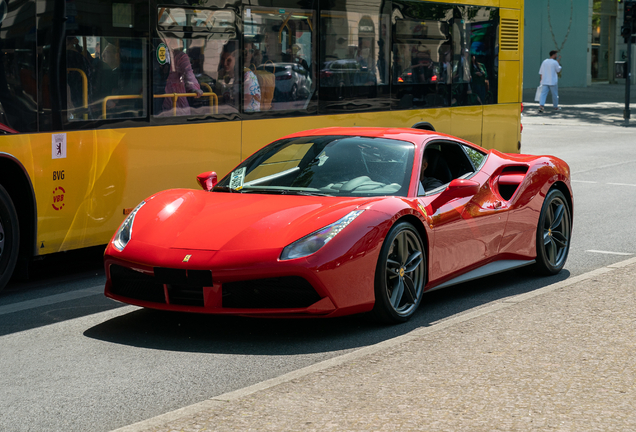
(399, 275)
(553, 233)
(9, 237)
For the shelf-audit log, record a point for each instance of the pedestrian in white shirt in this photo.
(548, 72)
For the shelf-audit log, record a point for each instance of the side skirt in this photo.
(486, 270)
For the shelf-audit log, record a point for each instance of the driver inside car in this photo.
(427, 183)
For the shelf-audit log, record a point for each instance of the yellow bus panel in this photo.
(501, 128)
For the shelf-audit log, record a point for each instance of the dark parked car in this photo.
(347, 78)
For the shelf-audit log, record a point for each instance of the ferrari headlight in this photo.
(314, 241)
(122, 236)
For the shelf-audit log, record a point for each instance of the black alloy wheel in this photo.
(400, 274)
(553, 233)
(9, 237)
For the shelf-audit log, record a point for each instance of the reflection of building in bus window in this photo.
(181, 79)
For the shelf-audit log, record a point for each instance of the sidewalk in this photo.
(601, 103)
(562, 358)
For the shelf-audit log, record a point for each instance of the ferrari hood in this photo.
(199, 220)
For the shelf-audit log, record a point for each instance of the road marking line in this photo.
(46, 301)
(609, 252)
(604, 167)
(622, 184)
(583, 181)
(212, 403)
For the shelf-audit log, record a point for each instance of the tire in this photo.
(553, 234)
(400, 275)
(9, 237)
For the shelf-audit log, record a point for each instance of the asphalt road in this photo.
(73, 360)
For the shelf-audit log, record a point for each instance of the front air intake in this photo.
(272, 293)
(135, 285)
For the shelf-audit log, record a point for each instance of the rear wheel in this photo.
(400, 274)
(9, 237)
(553, 233)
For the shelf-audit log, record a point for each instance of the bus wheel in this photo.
(9, 237)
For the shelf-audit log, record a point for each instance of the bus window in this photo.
(195, 75)
(278, 59)
(18, 81)
(353, 58)
(105, 78)
(422, 52)
(475, 62)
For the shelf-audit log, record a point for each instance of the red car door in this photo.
(468, 223)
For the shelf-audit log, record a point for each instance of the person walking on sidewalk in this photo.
(549, 74)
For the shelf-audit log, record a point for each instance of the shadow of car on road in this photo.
(200, 333)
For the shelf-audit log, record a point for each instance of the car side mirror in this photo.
(458, 188)
(207, 180)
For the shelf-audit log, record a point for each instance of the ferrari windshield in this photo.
(326, 165)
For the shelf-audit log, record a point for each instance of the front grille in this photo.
(183, 277)
(135, 285)
(272, 293)
(185, 287)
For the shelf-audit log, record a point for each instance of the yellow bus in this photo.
(104, 103)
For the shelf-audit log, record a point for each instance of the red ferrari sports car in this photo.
(337, 221)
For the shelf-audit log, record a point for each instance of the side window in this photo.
(354, 55)
(279, 64)
(435, 171)
(444, 161)
(422, 53)
(475, 61)
(196, 75)
(18, 80)
(105, 76)
(476, 157)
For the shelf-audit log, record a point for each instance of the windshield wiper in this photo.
(225, 189)
(307, 193)
(284, 192)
